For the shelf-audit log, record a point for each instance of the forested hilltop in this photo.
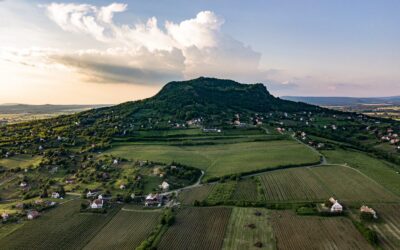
(209, 101)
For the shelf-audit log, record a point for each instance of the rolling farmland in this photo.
(222, 159)
(61, 228)
(389, 229)
(126, 230)
(246, 228)
(305, 232)
(319, 183)
(197, 228)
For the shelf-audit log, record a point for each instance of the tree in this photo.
(61, 191)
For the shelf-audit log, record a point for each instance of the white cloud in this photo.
(187, 49)
(201, 32)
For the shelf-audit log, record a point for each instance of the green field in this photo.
(320, 183)
(379, 170)
(21, 161)
(126, 230)
(245, 229)
(60, 228)
(222, 159)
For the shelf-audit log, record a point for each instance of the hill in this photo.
(210, 98)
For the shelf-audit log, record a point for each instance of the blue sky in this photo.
(329, 48)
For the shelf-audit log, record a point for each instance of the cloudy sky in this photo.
(110, 52)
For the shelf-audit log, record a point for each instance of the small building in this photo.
(96, 204)
(23, 184)
(153, 200)
(5, 216)
(55, 195)
(164, 186)
(368, 210)
(122, 186)
(33, 214)
(115, 162)
(336, 207)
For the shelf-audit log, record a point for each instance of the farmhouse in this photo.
(23, 184)
(368, 210)
(153, 200)
(33, 214)
(336, 207)
(97, 203)
(55, 195)
(164, 186)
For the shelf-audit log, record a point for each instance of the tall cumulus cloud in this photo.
(147, 53)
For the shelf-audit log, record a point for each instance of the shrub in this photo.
(369, 234)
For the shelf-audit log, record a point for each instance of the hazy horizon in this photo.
(96, 52)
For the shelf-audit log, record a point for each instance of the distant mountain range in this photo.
(15, 108)
(344, 101)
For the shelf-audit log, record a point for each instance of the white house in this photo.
(98, 203)
(23, 184)
(122, 186)
(153, 200)
(336, 207)
(164, 186)
(55, 195)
